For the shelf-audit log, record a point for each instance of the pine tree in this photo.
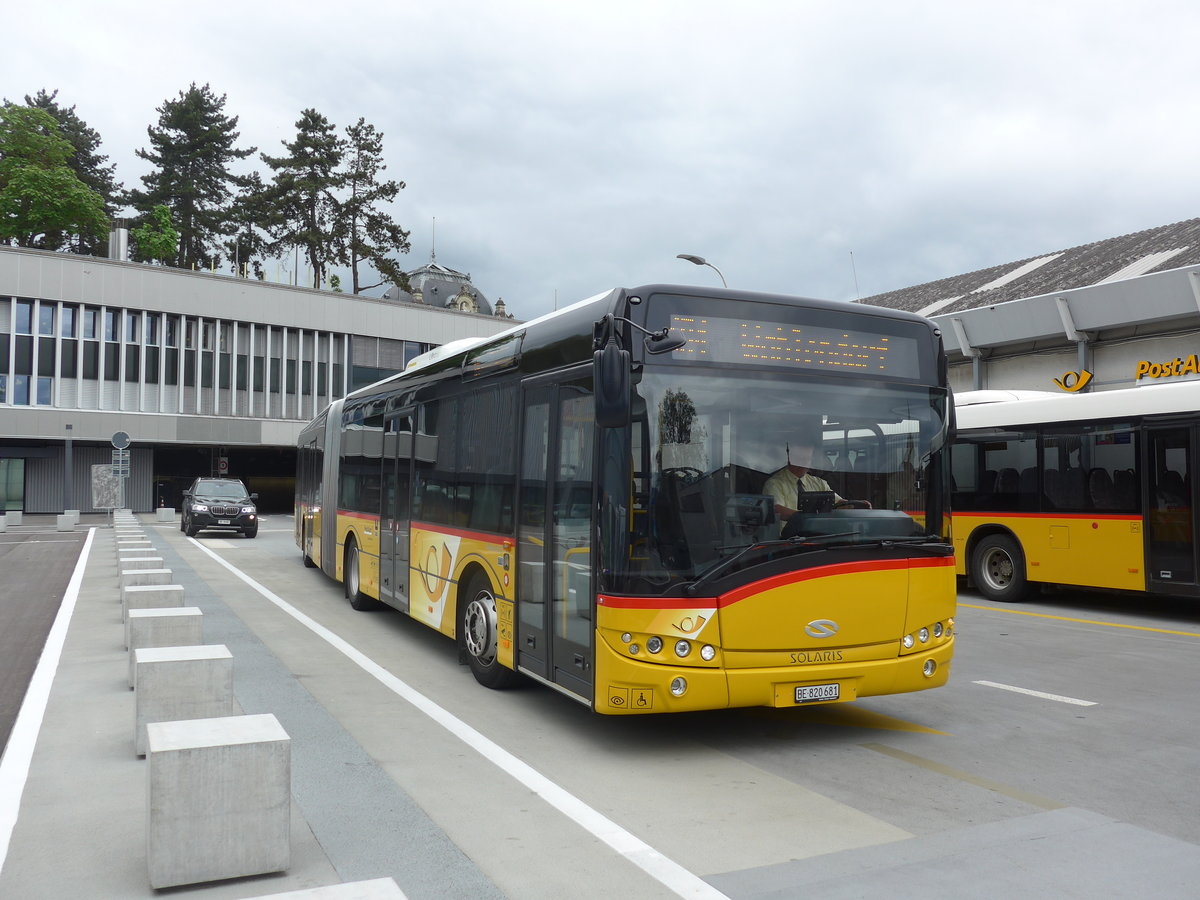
(303, 193)
(40, 197)
(191, 150)
(367, 233)
(89, 166)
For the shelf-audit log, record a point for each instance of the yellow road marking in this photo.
(969, 778)
(1021, 612)
(858, 717)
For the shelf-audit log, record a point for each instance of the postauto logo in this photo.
(1170, 368)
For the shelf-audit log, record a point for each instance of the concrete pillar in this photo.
(164, 514)
(150, 596)
(218, 799)
(172, 626)
(173, 683)
(130, 577)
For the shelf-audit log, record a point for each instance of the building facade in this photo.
(206, 373)
(1116, 313)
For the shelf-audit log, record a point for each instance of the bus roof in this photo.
(1015, 408)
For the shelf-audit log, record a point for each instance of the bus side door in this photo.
(394, 516)
(555, 594)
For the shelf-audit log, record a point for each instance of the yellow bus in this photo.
(581, 501)
(1089, 490)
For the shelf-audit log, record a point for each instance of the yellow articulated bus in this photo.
(659, 499)
(1090, 490)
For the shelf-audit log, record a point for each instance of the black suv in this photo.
(219, 503)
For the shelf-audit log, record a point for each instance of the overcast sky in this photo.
(824, 149)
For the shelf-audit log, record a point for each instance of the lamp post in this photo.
(701, 261)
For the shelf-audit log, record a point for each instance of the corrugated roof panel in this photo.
(937, 306)
(1142, 266)
(1016, 273)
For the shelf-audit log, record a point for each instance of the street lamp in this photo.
(701, 261)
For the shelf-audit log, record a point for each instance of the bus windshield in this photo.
(711, 449)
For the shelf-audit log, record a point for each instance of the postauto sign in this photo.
(1171, 368)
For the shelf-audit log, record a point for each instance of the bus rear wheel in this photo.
(352, 580)
(998, 569)
(479, 636)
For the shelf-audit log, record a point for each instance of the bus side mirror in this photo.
(610, 375)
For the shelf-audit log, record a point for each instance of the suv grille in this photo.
(225, 510)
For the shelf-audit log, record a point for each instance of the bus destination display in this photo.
(841, 350)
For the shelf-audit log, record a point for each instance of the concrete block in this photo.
(13, 518)
(3, 524)
(375, 889)
(64, 523)
(150, 596)
(74, 514)
(140, 562)
(164, 514)
(171, 626)
(218, 799)
(175, 683)
(130, 577)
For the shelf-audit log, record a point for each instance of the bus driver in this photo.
(786, 485)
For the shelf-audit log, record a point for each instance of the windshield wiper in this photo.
(798, 543)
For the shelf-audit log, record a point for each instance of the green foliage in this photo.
(89, 166)
(366, 233)
(41, 198)
(302, 197)
(335, 283)
(191, 150)
(156, 238)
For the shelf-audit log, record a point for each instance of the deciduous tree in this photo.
(156, 238)
(90, 167)
(40, 197)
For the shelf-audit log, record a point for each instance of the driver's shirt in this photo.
(782, 487)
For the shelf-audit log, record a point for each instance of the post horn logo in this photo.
(1073, 382)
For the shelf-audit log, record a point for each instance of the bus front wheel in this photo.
(998, 569)
(352, 577)
(478, 634)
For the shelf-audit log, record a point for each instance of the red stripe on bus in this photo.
(463, 533)
(830, 571)
(366, 517)
(1115, 517)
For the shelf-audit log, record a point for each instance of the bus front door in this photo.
(393, 519)
(1170, 510)
(555, 596)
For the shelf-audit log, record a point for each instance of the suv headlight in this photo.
(199, 507)
(248, 509)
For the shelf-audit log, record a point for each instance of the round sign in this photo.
(120, 440)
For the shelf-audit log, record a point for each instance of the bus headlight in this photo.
(923, 635)
(707, 652)
(654, 644)
(682, 648)
(929, 668)
(678, 685)
(908, 642)
(937, 630)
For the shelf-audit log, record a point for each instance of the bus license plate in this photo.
(223, 521)
(807, 693)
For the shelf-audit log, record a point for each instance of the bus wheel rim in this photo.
(352, 575)
(998, 569)
(479, 623)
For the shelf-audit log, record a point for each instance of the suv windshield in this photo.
(221, 490)
(711, 453)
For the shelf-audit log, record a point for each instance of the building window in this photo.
(172, 331)
(3, 397)
(189, 334)
(151, 329)
(111, 332)
(208, 336)
(20, 390)
(46, 318)
(24, 317)
(67, 365)
(45, 391)
(131, 327)
(226, 332)
(68, 321)
(90, 320)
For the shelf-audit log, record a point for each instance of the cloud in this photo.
(817, 149)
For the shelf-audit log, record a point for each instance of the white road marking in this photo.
(14, 765)
(663, 870)
(1042, 694)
